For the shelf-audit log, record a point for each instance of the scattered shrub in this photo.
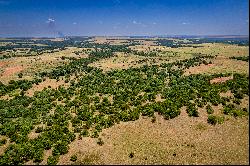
(212, 119)
(209, 109)
(73, 158)
(100, 142)
(131, 155)
(3, 141)
(52, 160)
(20, 75)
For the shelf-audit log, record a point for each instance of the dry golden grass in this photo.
(183, 140)
(221, 64)
(221, 79)
(213, 49)
(45, 84)
(121, 61)
(111, 41)
(226, 94)
(125, 61)
(32, 64)
(3, 147)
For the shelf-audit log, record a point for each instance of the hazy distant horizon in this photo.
(52, 18)
(188, 36)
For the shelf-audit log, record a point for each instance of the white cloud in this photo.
(154, 23)
(50, 20)
(185, 23)
(135, 22)
(74, 23)
(139, 23)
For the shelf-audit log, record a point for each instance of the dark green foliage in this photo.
(100, 142)
(238, 94)
(212, 119)
(232, 110)
(73, 158)
(153, 119)
(237, 101)
(20, 75)
(52, 160)
(39, 129)
(22, 84)
(131, 155)
(228, 109)
(209, 109)
(90, 110)
(61, 147)
(38, 155)
(192, 110)
(84, 133)
(95, 134)
(242, 58)
(3, 141)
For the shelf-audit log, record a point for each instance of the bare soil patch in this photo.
(221, 79)
(198, 69)
(12, 70)
(226, 94)
(45, 84)
(3, 63)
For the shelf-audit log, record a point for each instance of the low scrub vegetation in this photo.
(86, 104)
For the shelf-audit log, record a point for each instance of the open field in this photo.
(32, 64)
(179, 141)
(121, 100)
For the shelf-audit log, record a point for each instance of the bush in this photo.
(153, 119)
(209, 109)
(212, 119)
(60, 148)
(131, 155)
(95, 134)
(192, 111)
(84, 133)
(38, 156)
(237, 101)
(3, 141)
(238, 113)
(73, 158)
(52, 160)
(231, 110)
(239, 94)
(100, 142)
(228, 109)
(20, 75)
(39, 129)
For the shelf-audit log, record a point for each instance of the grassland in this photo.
(101, 81)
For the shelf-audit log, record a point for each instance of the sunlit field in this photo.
(121, 100)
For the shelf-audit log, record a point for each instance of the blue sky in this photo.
(25, 18)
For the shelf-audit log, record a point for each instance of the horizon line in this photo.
(216, 35)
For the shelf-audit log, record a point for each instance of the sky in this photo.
(51, 18)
